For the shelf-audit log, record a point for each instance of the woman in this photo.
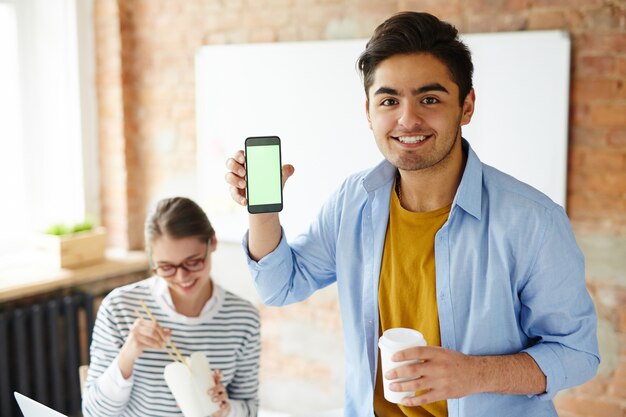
(128, 353)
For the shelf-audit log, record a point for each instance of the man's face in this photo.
(413, 110)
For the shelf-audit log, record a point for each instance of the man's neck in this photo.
(435, 187)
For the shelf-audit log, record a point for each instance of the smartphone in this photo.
(264, 175)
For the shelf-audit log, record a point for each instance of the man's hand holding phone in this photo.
(236, 177)
(264, 233)
(237, 180)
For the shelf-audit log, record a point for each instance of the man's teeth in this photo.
(411, 139)
(187, 284)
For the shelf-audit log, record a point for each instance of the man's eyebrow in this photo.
(430, 87)
(417, 91)
(386, 90)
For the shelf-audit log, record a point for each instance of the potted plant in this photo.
(75, 245)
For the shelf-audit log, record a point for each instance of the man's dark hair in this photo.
(413, 32)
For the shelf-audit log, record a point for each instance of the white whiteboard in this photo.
(311, 96)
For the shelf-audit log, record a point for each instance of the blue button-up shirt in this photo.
(510, 278)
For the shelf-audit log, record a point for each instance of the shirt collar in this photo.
(380, 175)
(468, 194)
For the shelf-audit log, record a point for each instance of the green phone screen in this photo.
(263, 164)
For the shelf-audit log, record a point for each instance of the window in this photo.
(11, 144)
(46, 117)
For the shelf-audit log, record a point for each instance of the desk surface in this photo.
(19, 281)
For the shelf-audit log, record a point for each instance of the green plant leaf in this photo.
(61, 229)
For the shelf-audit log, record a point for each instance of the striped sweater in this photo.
(227, 332)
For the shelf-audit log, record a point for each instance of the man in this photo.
(486, 267)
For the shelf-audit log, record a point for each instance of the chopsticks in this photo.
(178, 357)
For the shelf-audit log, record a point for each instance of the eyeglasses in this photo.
(191, 265)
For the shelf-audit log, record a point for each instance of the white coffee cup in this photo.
(392, 341)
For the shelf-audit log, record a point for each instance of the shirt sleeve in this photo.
(243, 389)
(557, 310)
(106, 391)
(295, 270)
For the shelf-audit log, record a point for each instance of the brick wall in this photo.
(145, 76)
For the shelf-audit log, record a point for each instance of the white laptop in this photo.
(31, 408)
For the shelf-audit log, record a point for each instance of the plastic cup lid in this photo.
(400, 338)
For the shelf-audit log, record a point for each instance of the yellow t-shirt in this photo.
(407, 291)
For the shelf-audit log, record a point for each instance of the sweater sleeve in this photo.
(106, 391)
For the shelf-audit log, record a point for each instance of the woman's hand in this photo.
(218, 395)
(143, 334)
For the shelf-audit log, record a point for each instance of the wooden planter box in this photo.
(77, 249)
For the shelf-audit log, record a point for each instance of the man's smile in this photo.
(411, 139)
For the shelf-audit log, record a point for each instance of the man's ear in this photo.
(468, 107)
(213, 244)
(367, 112)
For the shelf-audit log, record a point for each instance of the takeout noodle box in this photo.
(190, 385)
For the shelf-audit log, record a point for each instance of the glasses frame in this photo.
(155, 269)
